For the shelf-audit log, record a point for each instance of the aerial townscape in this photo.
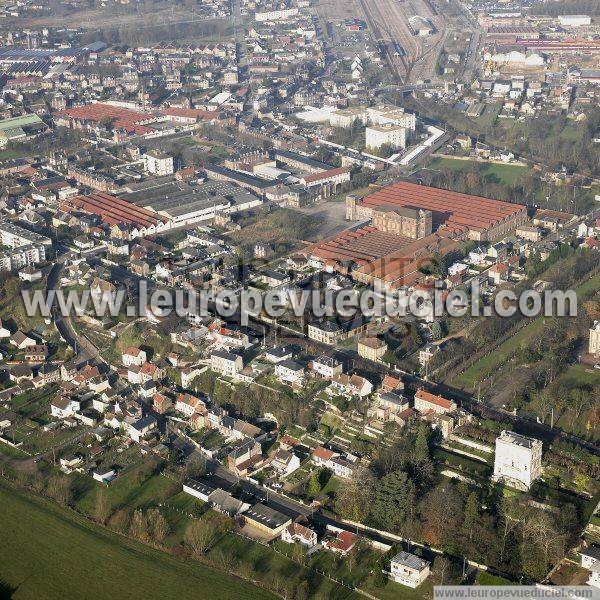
(441, 156)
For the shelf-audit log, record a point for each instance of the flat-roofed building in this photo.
(266, 519)
(408, 569)
(518, 460)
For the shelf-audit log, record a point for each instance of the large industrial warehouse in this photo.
(374, 254)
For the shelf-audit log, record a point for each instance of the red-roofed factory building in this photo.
(130, 121)
(410, 223)
(133, 220)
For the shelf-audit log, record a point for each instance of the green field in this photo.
(484, 367)
(506, 174)
(48, 553)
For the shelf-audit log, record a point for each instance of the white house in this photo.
(63, 407)
(296, 533)
(285, 462)
(518, 460)
(22, 340)
(226, 363)
(408, 569)
(326, 367)
(590, 559)
(478, 256)
(4, 332)
(134, 356)
(352, 385)
(289, 371)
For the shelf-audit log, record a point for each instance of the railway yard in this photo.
(411, 34)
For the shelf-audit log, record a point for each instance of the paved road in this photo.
(84, 349)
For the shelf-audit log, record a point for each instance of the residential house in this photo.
(244, 457)
(134, 356)
(285, 462)
(371, 348)
(64, 406)
(226, 363)
(278, 354)
(426, 402)
(295, 533)
(22, 340)
(408, 569)
(188, 404)
(326, 366)
(340, 541)
(142, 428)
(289, 371)
(427, 353)
(590, 559)
(352, 385)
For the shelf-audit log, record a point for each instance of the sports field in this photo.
(52, 554)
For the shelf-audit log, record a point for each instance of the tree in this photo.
(59, 488)
(138, 528)
(199, 536)
(471, 515)
(441, 567)
(394, 501)
(353, 500)
(101, 508)
(313, 489)
(158, 525)
(119, 521)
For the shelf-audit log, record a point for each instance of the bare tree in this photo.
(199, 536)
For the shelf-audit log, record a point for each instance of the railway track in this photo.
(393, 50)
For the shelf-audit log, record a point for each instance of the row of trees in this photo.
(400, 493)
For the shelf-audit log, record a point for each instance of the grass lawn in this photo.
(265, 563)
(10, 451)
(483, 367)
(463, 464)
(124, 491)
(577, 375)
(56, 555)
(485, 578)
(507, 174)
(395, 591)
(589, 287)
